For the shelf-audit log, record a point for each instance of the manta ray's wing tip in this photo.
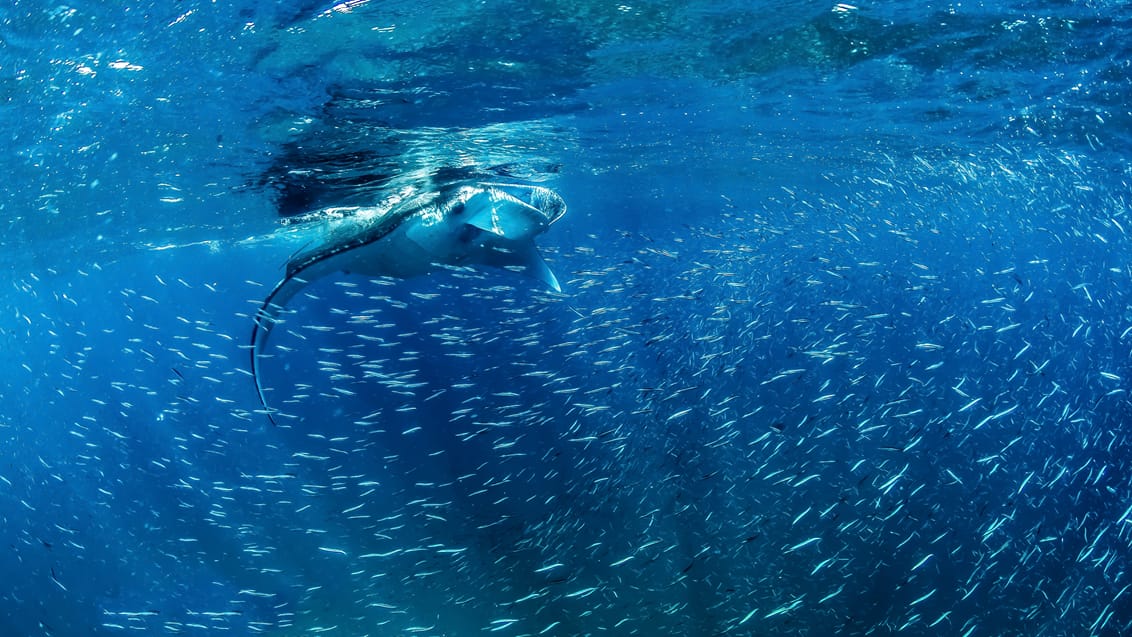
(551, 280)
(540, 269)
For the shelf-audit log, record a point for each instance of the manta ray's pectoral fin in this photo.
(525, 259)
(538, 269)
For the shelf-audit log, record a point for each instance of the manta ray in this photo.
(473, 223)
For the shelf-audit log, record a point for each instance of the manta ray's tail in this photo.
(266, 318)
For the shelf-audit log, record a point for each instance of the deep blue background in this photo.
(801, 241)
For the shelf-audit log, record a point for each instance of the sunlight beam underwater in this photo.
(477, 223)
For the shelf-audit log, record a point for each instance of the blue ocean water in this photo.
(842, 347)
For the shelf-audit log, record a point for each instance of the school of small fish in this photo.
(804, 417)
